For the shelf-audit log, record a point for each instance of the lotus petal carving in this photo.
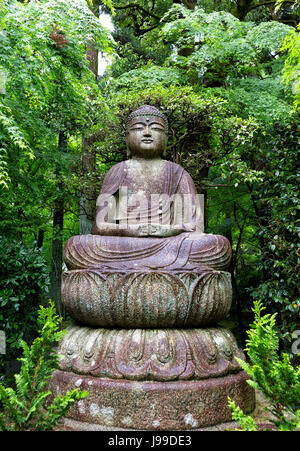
(149, 354)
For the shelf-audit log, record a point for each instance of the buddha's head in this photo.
(146, 133)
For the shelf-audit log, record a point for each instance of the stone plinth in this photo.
(152, 379)
(147, 349)
(147, 405)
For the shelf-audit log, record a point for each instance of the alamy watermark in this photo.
(296, 344)
(3, 79)
(126, 208)
(2, 342)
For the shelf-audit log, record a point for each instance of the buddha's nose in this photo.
(147, 131)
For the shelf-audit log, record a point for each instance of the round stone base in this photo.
(73, 425)
(176, 405)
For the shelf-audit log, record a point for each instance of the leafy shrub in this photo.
(24, 408)
(23, 283)
(277, 379)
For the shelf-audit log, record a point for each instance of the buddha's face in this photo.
(146, 137)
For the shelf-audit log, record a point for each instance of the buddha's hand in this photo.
(189, 227)
(143, 230)
(159, 230)
(152, 230)
(170, 230)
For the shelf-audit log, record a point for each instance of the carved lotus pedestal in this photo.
(146, 347)
(146, 299)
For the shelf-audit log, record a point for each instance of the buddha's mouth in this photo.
(147, 141)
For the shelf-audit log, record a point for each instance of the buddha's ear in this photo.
(164, 154)
(128, 152)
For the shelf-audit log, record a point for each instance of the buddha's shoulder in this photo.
(160, 163)
(174, 166)
(117, 167)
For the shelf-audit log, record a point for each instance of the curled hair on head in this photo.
(147, 110)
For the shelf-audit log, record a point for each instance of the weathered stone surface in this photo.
(147, 299)
(143, 354)
(178, 405)
(73, 425)
(148, 267)
(186, 251)
(261, 415)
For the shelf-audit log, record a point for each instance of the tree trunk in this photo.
(57, 240)
(190, 4)
(233, 271)
(263, 212)
(242, 8)
(87, 194)
(87, 202)
(202, 189)
(40, 239)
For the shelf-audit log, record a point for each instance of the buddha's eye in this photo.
(140, 127)
(156, 127)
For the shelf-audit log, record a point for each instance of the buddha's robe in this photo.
(190, 250)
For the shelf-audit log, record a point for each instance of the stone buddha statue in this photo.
(146, 290)
(149, 214)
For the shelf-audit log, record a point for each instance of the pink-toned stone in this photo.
(147, 299)
(154, 282)
(149, 354)
(178, 405)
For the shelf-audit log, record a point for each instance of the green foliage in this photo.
(136, 32)
(246, 421)
(291, 74)
(231, 123)
(277, 379)
(267, 37)
(232, 126)
(201, 127)
(221, 46)
(279, 228)
(262, 99)
(47, 83)
(280, 4)
(23, 284)
(24, 407)
(46, 88)
(142, 78)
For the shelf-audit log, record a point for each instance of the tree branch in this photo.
(141, 8)
(270, 2)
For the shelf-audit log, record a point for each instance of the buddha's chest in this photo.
(144, 177)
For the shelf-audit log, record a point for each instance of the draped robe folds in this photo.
(187, 251)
